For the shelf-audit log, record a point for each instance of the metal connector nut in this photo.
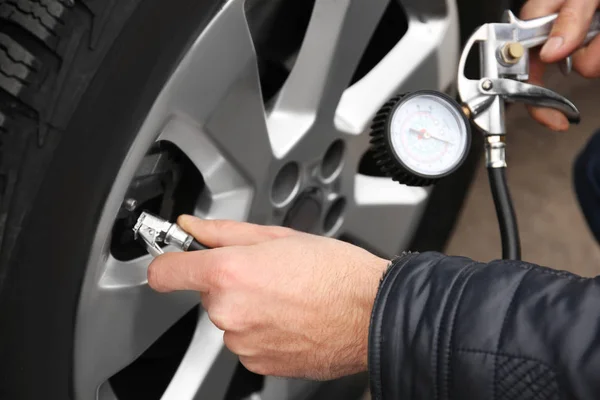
(495, 151)
(178, 237)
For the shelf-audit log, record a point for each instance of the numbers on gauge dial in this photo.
(428, 135)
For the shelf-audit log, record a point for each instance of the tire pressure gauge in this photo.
(420, 137)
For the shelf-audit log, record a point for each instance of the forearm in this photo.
(449, 327)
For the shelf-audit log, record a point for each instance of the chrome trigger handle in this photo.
(504, 52)
(515, 91)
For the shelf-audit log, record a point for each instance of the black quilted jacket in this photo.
(450, 328)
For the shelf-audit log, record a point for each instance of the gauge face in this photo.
(429, 135)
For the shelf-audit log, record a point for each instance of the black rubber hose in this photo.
(196, 245)
(509, 231)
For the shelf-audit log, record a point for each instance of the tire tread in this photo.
(50, 51)
(16, 65)
(40, 17)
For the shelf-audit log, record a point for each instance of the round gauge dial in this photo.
(427, 135)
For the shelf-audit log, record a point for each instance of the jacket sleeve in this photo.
(450, 328)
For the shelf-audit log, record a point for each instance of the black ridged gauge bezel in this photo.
(383, 151)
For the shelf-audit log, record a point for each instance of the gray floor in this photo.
(553, 232)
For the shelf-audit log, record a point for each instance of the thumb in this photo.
(569, 30)
(223, 233)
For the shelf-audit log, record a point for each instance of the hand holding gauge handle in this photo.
(504, 50)
(504, 53)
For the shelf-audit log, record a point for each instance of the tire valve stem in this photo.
(130, 204)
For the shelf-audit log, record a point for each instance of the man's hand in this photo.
(291, 304)
(569, 32)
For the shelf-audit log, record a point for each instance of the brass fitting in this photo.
(512, 52)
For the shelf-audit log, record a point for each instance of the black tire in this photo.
(49, 52)
(68, 68)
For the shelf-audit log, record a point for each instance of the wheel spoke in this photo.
(229, 194)
(207, 367)
(337, 35)
(124, 318)
(384, 215)
(419, 61)
(217, 91)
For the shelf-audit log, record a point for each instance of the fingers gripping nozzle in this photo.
(504, 52)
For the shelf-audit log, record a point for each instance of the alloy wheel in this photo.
(293, 160)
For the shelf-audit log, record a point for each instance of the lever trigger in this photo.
(526, 93)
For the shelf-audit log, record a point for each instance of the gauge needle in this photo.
(425, 134)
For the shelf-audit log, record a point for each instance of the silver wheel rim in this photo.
(240, 157)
